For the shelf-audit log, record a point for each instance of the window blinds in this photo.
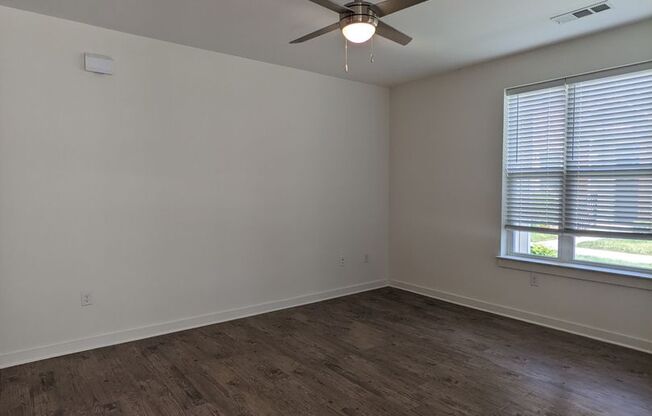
(578, 156)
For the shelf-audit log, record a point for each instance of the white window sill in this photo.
(579, 271)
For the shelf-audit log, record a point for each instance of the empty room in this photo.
(326, 207)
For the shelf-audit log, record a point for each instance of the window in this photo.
(578, 170)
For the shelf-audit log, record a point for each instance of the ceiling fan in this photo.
(360, 20)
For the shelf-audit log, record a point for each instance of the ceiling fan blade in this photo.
(316, 33)
(333, 6)
(392, 6)
(390, 33)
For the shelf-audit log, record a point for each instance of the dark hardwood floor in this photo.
(385, 352)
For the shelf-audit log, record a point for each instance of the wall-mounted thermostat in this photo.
(98, 64)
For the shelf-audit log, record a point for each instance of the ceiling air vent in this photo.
(578, 14)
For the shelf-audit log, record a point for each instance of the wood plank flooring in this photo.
(385, 352)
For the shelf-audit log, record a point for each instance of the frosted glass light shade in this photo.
(359, 32)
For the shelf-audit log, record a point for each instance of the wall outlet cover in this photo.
(86, 298)
(534, 280)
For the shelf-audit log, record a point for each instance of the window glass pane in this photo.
(536, 244)
(614, 251)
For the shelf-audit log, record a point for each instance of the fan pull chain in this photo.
(371, 54)
(346, 55)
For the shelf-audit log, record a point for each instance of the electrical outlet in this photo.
(534, 280)
(366, 258)
(86, 298)
(341, 261)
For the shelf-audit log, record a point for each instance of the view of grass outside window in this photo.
(612, 251)
(536, 244)
(605, 251)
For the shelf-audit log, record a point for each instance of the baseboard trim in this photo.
(530, 317)
(104, 340)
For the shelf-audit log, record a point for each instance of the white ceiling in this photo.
(447, 33)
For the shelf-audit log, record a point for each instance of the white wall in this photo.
(188, 184)
(445, 192)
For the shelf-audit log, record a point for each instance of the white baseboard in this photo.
(623, 340)
(40, 353)
(48, 351)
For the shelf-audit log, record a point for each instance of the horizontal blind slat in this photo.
(582, 150)
(610, 134)
(534, 158)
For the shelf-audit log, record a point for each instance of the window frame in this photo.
(566, 242)
(566, 254)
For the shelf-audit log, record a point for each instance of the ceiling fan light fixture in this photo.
(359, 32)
(360, 20)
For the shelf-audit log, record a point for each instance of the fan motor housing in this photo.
(362, 13)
